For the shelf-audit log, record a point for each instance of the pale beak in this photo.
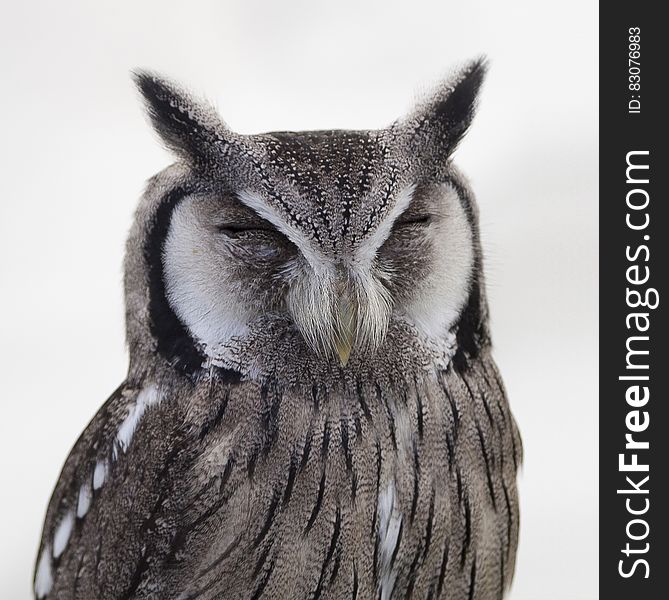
(345, 327)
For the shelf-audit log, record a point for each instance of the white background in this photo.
(75, 150)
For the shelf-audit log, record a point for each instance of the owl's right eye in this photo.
(254, 239)
(236, 231)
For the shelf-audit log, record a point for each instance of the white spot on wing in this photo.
(63, 532)
(99, 474)
(390, 522)
(44, 576)
(146, 398)
(84, 501)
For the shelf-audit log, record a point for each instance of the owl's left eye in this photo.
(417, 221)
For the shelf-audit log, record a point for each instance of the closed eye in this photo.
(255, 237)
(417, 221)
(233, 229)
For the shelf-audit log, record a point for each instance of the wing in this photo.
(122, 496)
(76, 516)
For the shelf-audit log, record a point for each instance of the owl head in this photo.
(330, 236)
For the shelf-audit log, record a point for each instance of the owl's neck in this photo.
(274, 349)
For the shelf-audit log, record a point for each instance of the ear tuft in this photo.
(189, 128)
(457, 109)
(438, 124)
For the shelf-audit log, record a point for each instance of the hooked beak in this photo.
(346, 323)
(338, 310)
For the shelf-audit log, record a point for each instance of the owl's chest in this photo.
(362, 489)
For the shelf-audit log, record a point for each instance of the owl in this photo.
(311, 409)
